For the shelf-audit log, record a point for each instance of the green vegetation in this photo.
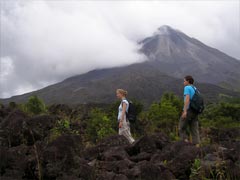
(164, 115)
(160, 116)
(221, 115)
(195, 170)
(221, 170)
(62, 127)
(34, 106)
(99, 125)
(12, 105)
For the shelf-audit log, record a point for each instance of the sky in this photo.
(45, 42)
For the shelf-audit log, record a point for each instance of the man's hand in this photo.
(184, 115)
(120, 124)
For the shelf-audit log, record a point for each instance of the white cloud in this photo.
(48, 41)
(7, 68)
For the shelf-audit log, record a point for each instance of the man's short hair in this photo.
(189, 79)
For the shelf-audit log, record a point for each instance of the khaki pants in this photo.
(125, 131)
(190, 121)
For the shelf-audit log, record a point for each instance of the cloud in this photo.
(44, 42)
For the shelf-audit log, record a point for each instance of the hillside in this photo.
(144, 81)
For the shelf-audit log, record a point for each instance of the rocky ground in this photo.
(27, 153)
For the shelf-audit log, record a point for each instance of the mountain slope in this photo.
(176, 54)
(144, 81)
(172, 55)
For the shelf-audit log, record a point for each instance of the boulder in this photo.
(38, 128)
(149, 144)
(118, 167)
(60, 109)
(20, 162)
(224, 135)
(18, 128)
(179, 157)
(63, 156)
(95, 152)
(141, 157)
(111, 176)
(114, 154)
(4, 111)
(149, 171)
(11, 129)
(144, 144)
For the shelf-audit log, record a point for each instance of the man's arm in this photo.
(186, 105)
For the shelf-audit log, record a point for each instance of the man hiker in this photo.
(189, 117)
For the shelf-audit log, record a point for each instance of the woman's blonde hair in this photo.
(122, 91)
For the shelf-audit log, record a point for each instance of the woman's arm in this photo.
(124, 107)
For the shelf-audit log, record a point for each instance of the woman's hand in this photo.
(120, 124)
(184, 115)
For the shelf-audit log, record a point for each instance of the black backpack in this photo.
(131, 114)
(197, 103)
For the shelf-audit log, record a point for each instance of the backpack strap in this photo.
(195, 89)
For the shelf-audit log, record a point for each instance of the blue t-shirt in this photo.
(188, 90)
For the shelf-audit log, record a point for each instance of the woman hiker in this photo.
(123, 123)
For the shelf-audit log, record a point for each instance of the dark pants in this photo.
(190, 121)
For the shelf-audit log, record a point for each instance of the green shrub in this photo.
(99, 126)
(195, 170)
(62, 127)
(35, 105)
(219, 115)
(12, 105)
(165, 114)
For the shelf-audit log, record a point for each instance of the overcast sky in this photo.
(44, 42)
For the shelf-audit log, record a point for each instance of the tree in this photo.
(165, 114)
(12, 105)
(35, 105)
(222, 114)
(173, 100)
(99, 125)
